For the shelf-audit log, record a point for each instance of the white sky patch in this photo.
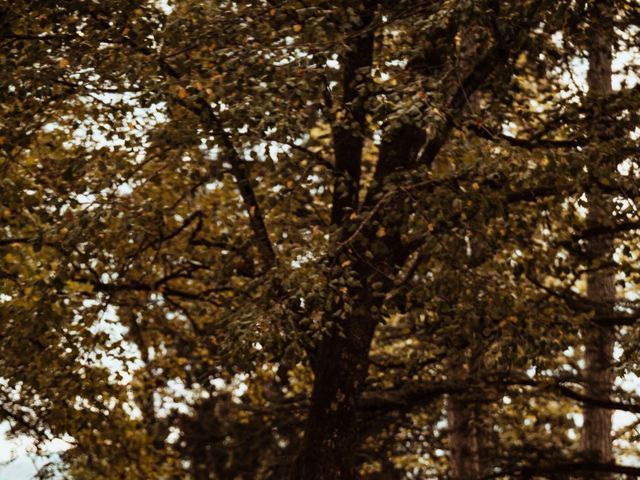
(627, 167)
(124, 189)
(166, 6)
(122, 364)
(20, 457)
(620, 77)
(301, 260)
(333, 62)
(215, 185)
(180, 400)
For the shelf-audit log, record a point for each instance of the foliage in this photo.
(230, 231)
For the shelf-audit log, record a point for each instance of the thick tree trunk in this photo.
(596, 439)
(340, 364)
(331, 434)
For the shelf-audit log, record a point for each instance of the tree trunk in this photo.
(340, 364)
(464, 460)
(340, 367)
(596, 439)
(469, 428)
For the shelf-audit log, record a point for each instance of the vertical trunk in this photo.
(468, 427)
(340, 365)
(331, 433)
(341, 362)
(464, 459)
(377, 253)
(596, 440)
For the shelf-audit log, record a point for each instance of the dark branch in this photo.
(528, 144)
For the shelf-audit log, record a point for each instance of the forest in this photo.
(321, 240)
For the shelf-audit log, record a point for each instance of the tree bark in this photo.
(331, 433)
(464, 448)
(470, 426)
(341, 361)
(596, 437)
(469, 429)
(340, 365)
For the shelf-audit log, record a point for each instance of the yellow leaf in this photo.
(297, 28)
(63, 63)
(346, 263)
(79, 286)
(522, 60)
(320, 131)
(381, 232)
(475, 186)
(182, 93)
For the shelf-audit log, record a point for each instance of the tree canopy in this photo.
(321, 240)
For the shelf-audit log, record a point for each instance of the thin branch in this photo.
(528, 144)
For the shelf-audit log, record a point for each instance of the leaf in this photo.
(182, 93)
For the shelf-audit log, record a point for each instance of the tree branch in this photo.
(481, 131)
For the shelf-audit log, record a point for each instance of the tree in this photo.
(267, 239)
(601, 281)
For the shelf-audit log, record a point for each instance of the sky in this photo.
(18, 457)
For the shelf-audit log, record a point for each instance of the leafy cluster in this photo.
(244, 239)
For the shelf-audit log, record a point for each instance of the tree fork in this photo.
(340, 364)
